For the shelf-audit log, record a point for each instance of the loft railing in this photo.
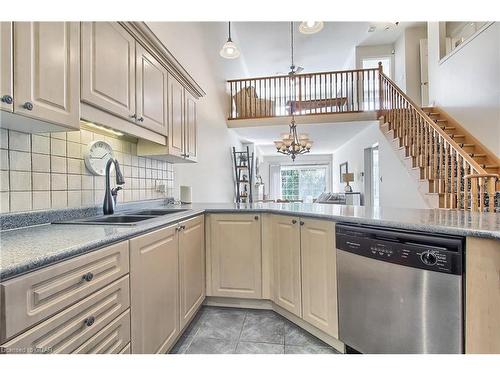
(345, 91)
(459, 179)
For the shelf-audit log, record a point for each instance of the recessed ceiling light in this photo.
(310, 27)
(372, 28)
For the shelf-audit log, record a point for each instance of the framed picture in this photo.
(343, 169)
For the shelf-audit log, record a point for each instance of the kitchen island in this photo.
(238, 253)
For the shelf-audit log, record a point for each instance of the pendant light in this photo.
(229, 49)
(291, 143)
(310, 27)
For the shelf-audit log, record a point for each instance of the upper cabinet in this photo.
(151, 92)
(115, 74)
(176, 118)
(191, 130)
(44, 82)
(108, 68)
(6, 84)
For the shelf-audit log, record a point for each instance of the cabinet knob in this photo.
(256, 217)
(294, 221)
(28, 106)
(89, 321)
(183, 227)
(88, 276)
(301, 222)
(133, 116)
(141, 119)
(7, 99)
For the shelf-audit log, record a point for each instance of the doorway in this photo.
(424, 72)
(372, 176)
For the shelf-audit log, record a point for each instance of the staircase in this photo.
(452, 168)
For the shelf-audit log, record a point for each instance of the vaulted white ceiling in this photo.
(265, 46)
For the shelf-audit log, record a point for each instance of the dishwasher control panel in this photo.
(426, 251)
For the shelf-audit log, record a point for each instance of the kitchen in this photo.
(111, 244)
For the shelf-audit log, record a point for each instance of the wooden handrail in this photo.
(301, 75)
(431, 123)
(490, 175)
(347, 91)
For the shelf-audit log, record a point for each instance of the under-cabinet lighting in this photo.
(103, 128)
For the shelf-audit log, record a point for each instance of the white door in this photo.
(424, 72)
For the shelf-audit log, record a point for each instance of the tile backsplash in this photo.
(42, 171)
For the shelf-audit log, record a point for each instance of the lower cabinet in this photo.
(167, 281)
(319, 275)
(286, 263)
(191, 267)
(154, 290)
(235, 255)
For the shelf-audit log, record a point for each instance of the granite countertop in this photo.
(26, 249)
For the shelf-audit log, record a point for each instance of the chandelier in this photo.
(292, 144)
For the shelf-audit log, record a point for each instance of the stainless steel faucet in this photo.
(109, 204)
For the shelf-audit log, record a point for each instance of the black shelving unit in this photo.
(243, 173)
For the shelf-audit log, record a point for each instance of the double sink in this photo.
(125, 218)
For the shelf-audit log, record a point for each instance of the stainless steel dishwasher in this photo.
(399, 291)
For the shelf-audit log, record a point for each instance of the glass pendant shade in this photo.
(310, 27)
(229, 50)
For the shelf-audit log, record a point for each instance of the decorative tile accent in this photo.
(48, 171)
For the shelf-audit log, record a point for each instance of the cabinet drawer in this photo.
(112, 339)
(33, 297)
(70, 330)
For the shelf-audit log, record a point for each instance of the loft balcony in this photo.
(339, 96)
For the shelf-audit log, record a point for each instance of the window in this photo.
(372, 62)
(303, 182)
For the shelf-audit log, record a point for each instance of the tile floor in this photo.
(219, 330)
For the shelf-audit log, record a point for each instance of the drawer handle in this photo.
(88, 276)
(7, 99)
(294, 221)
(256, 217)
(89, 321)
(140, 119)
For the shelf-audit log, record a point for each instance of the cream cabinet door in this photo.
(235, 250)
(319, 275)
(191, 128)
(154, 282)
(6, 89)
(47, 71)
(191, 267)
(176, 117)
(286, 263)
(108, 68)
(151, 92)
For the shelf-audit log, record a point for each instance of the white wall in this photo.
(366, 52)
(412, 61)
(399, 62)
(407, 61)
(467, 83)
(397, 188)
(212, 177)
